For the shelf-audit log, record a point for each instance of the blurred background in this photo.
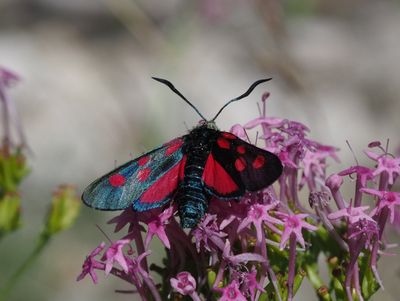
(87, 99)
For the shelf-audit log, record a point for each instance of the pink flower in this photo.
(364, 173)
(7, 78)
(114, 254)
(387, 199)
(387, 164)
(257, 215)
(251, 284)
(184, 283)
(265, 121)
(231, 293)
(239, 131)
(235, 260)
(90, 264)
(355, 214)
(293, 224)
(207, 231)
(284, 156)
(334, 182)
(9, 111)
(314, 161)
(156, 226)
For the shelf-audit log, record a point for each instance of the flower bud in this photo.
(334, 182)
(64, 210)
(211, 276)
(10, 213)
(12, 170)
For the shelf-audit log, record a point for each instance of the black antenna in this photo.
(171, 86)
(245, 94)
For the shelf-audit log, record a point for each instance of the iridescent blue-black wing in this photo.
(146, 182)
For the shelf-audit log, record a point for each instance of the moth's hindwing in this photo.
(145, 182)
(235, 166)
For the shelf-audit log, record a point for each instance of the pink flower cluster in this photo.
(263, 245)
(10, 116)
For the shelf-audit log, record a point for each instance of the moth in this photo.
(190, 170)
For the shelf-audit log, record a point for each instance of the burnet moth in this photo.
(190, 170)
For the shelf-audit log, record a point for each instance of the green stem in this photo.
(10, 284)
(317, 283)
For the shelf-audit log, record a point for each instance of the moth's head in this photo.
(207, 124)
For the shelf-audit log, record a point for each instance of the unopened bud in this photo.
(64, 210)
(10, 213)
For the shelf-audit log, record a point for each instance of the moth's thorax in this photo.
(200, 139)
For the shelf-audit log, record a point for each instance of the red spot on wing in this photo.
(164, 186)
(258, 162)
(241, 149)
(117, 180)
(223, 143)
(142, 161)
(173, 147)
(240, 164)
(143, 174)
(228, 135)
(215, 177)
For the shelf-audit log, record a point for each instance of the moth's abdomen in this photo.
(191, 197)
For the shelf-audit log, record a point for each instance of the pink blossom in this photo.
(363, 172)
(239, 131)
(156, 226)
(387, 199)
(184, 283)
(284, 156)
(237, 259)
(208, 233)
(293, 224)
(354, 214)
(251, 284)
(258, 215)
(314, 162)
(387, 164)
(265, 121)
(7, 78)
(90, 264)
(114, 254)
(334, 182)
(231, 292)
(9, 111)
